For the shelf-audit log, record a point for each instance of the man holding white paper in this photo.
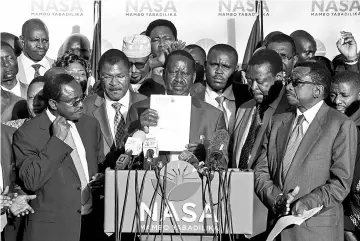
(179, 75)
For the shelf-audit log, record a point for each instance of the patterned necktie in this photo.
(293, 144)
(220, 100)
(85, 190)
(36, 67)
(119, 124)
(250, 139)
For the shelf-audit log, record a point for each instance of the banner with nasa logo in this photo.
(205, 22)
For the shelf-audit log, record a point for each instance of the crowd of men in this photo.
(293, 118)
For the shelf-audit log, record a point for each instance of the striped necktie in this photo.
(36, 68)
(220, 100)
(119, 124)
(293, 144)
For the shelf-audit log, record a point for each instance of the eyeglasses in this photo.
(117, 77)
(75, 103)
(296, 82)
(139, 65)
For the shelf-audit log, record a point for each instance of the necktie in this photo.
(119, 124)
(85, 190)
(250, 139)
(36, 67)
(293, 144)
(220, 100)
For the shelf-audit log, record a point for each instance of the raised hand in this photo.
(148, 118)
(60, 127)
(347, 46)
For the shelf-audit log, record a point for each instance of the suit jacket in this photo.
(12, 107)
(154, 85)
(95, 106)
(46, 169)
(322, 167)
(205, 119)
(244, 117)
(21, 74)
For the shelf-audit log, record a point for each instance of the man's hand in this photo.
(298, 208)
(198, 150)
(97, 181)
(282, 204)
(176, 45)
(347, 46)
(60, 128)
(5, 201)
(20, 205)
(148, 118)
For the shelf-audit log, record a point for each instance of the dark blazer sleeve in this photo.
(37, 167)
(338, 186)
(266, 190)
(353, 67)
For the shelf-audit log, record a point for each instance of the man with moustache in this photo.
(345, 97)
(264, 73)
(307, 159)
(9, 70)
(57, 158)
(305, 45)
(34, 41)
(110, 107)
(284, 45)
(179, 75)
(138, 49)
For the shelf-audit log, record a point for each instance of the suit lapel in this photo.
(195, 124)
(101, 115)
(311, 136)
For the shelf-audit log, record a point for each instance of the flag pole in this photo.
(261, 19)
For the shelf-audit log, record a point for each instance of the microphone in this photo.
(217, 152)
(122, 162)
(151, 151)
(189, 157)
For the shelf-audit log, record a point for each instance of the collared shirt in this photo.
(78, 143)
(229, 104)
(111, 112)
(29, 70)
(16, 90)
(309, 116)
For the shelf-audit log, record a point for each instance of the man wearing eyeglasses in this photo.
(308, 158)
(58, 155)
(138, 49)
(284, 45)
(110, 107)
(305, 45)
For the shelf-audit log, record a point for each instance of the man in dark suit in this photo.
(179, 75)
(57, 154)
(217, 90)
(308, 158)
(12, 107)
(114, 72)
(264, 73)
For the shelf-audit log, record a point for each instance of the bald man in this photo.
(77, 44)
(34, 41)
(305, 45)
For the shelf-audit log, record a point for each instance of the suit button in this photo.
(79, 211)
(78, 188)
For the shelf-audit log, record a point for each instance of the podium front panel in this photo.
(187, 205)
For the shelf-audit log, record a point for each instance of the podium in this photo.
(176, 200)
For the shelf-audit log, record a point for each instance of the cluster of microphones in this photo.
(139, 148)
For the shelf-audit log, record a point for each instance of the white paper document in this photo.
(285, 221)
(172, 131)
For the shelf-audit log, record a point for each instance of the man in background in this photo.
(34, 41)
(199, 55)
(305, 45)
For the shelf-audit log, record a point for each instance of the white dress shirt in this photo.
(309, 116)
(16, 90)
(229, 104)
(29, 70)
(78, 143)
(111, 112)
